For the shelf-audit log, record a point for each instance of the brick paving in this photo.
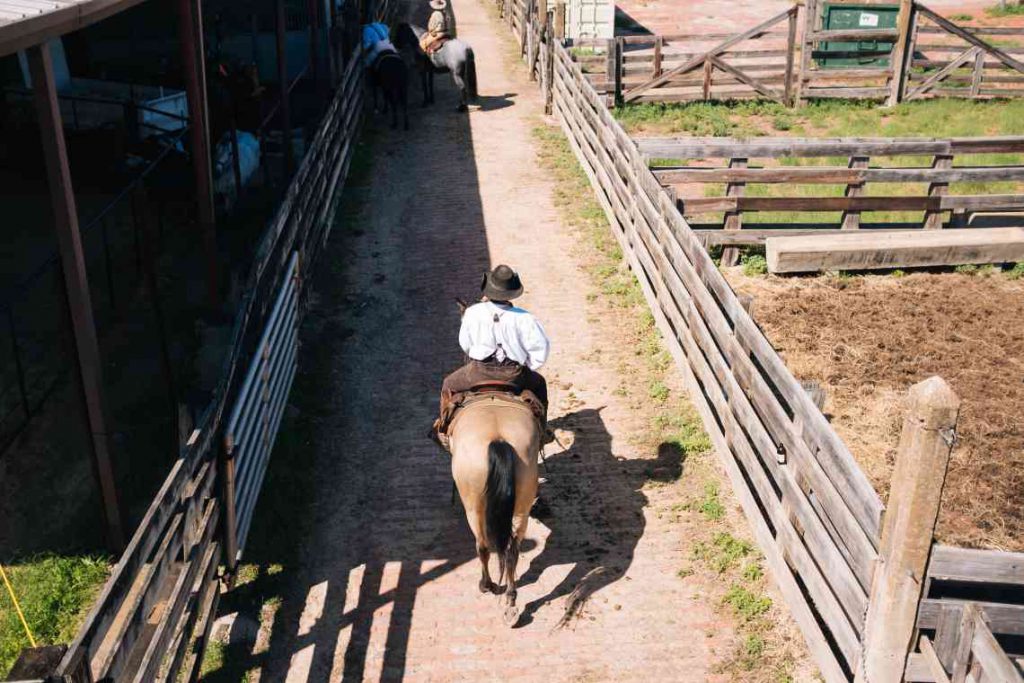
(386, 588)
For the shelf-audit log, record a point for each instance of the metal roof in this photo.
(24, 23)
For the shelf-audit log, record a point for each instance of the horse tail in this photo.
(470, 73)
(500, 498)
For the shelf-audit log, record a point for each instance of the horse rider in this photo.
(504, 344)
(438, 30)
(376, 43)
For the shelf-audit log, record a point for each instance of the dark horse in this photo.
(455, 57)
(390, 74)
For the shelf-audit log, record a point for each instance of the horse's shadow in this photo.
(593, 503)
(495, 102)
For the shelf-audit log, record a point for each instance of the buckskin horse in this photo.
(495, 439)
(455, 57)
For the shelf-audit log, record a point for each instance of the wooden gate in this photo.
(953, 61)
(756, 69)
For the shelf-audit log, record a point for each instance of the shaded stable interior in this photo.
(162, 298)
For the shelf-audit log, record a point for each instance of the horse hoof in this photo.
(486, 586)
(511, 615)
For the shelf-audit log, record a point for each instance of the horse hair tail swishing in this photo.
(501, 501)
(469, 74)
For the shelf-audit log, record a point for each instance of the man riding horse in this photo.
(387, 71)
(506, 346)
(438, 31)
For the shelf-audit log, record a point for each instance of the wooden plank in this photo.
(751, 236)
(777, 147)
(894, 250)
(998, 202)
(932, 660)
(1002, 618)
(856, 34)
(911, 512)
(746, 79)
(839, 175)
(900, 47)
(987, 652)
(949, 563)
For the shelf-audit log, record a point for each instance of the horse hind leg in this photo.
(486, 584)
(508, 562)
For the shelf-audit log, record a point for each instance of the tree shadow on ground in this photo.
(593, 502)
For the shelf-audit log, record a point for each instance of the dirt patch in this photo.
(868, 339)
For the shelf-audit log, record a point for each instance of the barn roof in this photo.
(24, 23)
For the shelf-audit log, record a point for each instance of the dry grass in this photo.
(868, 339)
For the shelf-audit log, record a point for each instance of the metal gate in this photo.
(257, 412)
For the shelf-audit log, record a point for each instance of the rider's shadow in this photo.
(593, 503)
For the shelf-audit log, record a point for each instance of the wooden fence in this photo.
(848, 575)
(152, 619)
(779, 60)
(918, 194)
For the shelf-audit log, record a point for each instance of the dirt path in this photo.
(386, 589)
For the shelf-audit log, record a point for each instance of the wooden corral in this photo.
(844, 563)
(779, 60)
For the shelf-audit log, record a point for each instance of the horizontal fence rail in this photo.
(813, 512)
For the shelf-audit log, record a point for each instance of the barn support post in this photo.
(76, 285)
(313, 9)
(929, 430)
(899, 51)
(282, 79)
(559, 20)
(190, 42)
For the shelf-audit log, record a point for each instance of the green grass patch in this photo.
(55, 592)
(746, 604)
(1016, 272)
(658, 391)
(723, 552)
(961, 17)
(710, 504)
(754, 265)
(1005, 10)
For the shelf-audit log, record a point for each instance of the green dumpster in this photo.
(857, 53)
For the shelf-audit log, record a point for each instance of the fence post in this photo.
(911, 512)
(559, 20)
(851, 219)
(611, 69)
(790, 56)
(659, 45)
(733, 219)
(899, 50)
(933, 219)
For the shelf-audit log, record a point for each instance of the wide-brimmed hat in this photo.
(501, 284)
(438, 4)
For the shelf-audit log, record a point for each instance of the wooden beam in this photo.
(76, 285)
(190, 43)
(865, 250)
(929, 427)
(900, 48)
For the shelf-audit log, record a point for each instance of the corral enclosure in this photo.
(866, 339)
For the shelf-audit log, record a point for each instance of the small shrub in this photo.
(746, 604)
(1017, 272)
(710, 506)
(658, 391)
(1005, 10)
(961, 17)
(754, 265)
(966, 269)
(898, 273)
(753, 572)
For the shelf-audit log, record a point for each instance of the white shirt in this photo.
(516, 335)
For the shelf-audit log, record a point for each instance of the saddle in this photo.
(430, 43)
